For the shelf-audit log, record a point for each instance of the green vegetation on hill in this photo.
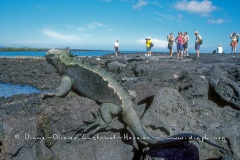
(42, 49)
(23, 49)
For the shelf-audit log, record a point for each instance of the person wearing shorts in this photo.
(185, 44)
(170, 40)
(179, 41)
(116, 45)
(197, 43)
(148, 46)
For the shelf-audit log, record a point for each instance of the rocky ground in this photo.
(174, 96)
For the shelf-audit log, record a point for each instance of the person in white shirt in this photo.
(185, 43)
(219, 49)
(198, 42)
(116, 45)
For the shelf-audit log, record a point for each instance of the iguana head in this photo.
(58, 58)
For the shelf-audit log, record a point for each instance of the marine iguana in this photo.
(99, 85)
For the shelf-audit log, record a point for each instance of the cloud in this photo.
(95, 24)
(179, 17)
(157, 42)
(205, 7)
(92, 25)
(140, 4)
(60, 36)
(159, 14)
(217, 21)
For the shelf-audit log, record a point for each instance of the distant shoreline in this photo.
(12, 49)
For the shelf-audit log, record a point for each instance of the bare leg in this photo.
(170, 52)
(197, 51)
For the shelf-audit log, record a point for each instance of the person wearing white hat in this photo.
(220, 48)
(198, 42)
(116, 45)
(148, 46)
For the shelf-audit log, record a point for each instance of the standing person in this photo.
(198, 42)
(219, 49)
(234, 44)
(179, 41)
(170, 40)
(234, 36)
(116, 45)
(148, 46)
(185, 44)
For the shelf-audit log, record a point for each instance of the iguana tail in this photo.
(188, 137)
(133, 122)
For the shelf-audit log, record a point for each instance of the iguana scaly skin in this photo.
(97, 84)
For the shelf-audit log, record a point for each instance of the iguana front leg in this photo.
(62, 89)
(102, 118)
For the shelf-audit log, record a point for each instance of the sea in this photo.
(8, 89)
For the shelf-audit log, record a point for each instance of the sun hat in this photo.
(196, 32)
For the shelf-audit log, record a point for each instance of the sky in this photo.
(96, 24)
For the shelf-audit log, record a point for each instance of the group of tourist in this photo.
(182, 44)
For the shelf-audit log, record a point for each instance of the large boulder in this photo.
(170, 114)
(219, 124)
(227, 89)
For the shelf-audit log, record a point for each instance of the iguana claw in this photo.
(97, 122)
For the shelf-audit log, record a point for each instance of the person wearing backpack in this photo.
(234, 36)
(149, 45)
(198, 42)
